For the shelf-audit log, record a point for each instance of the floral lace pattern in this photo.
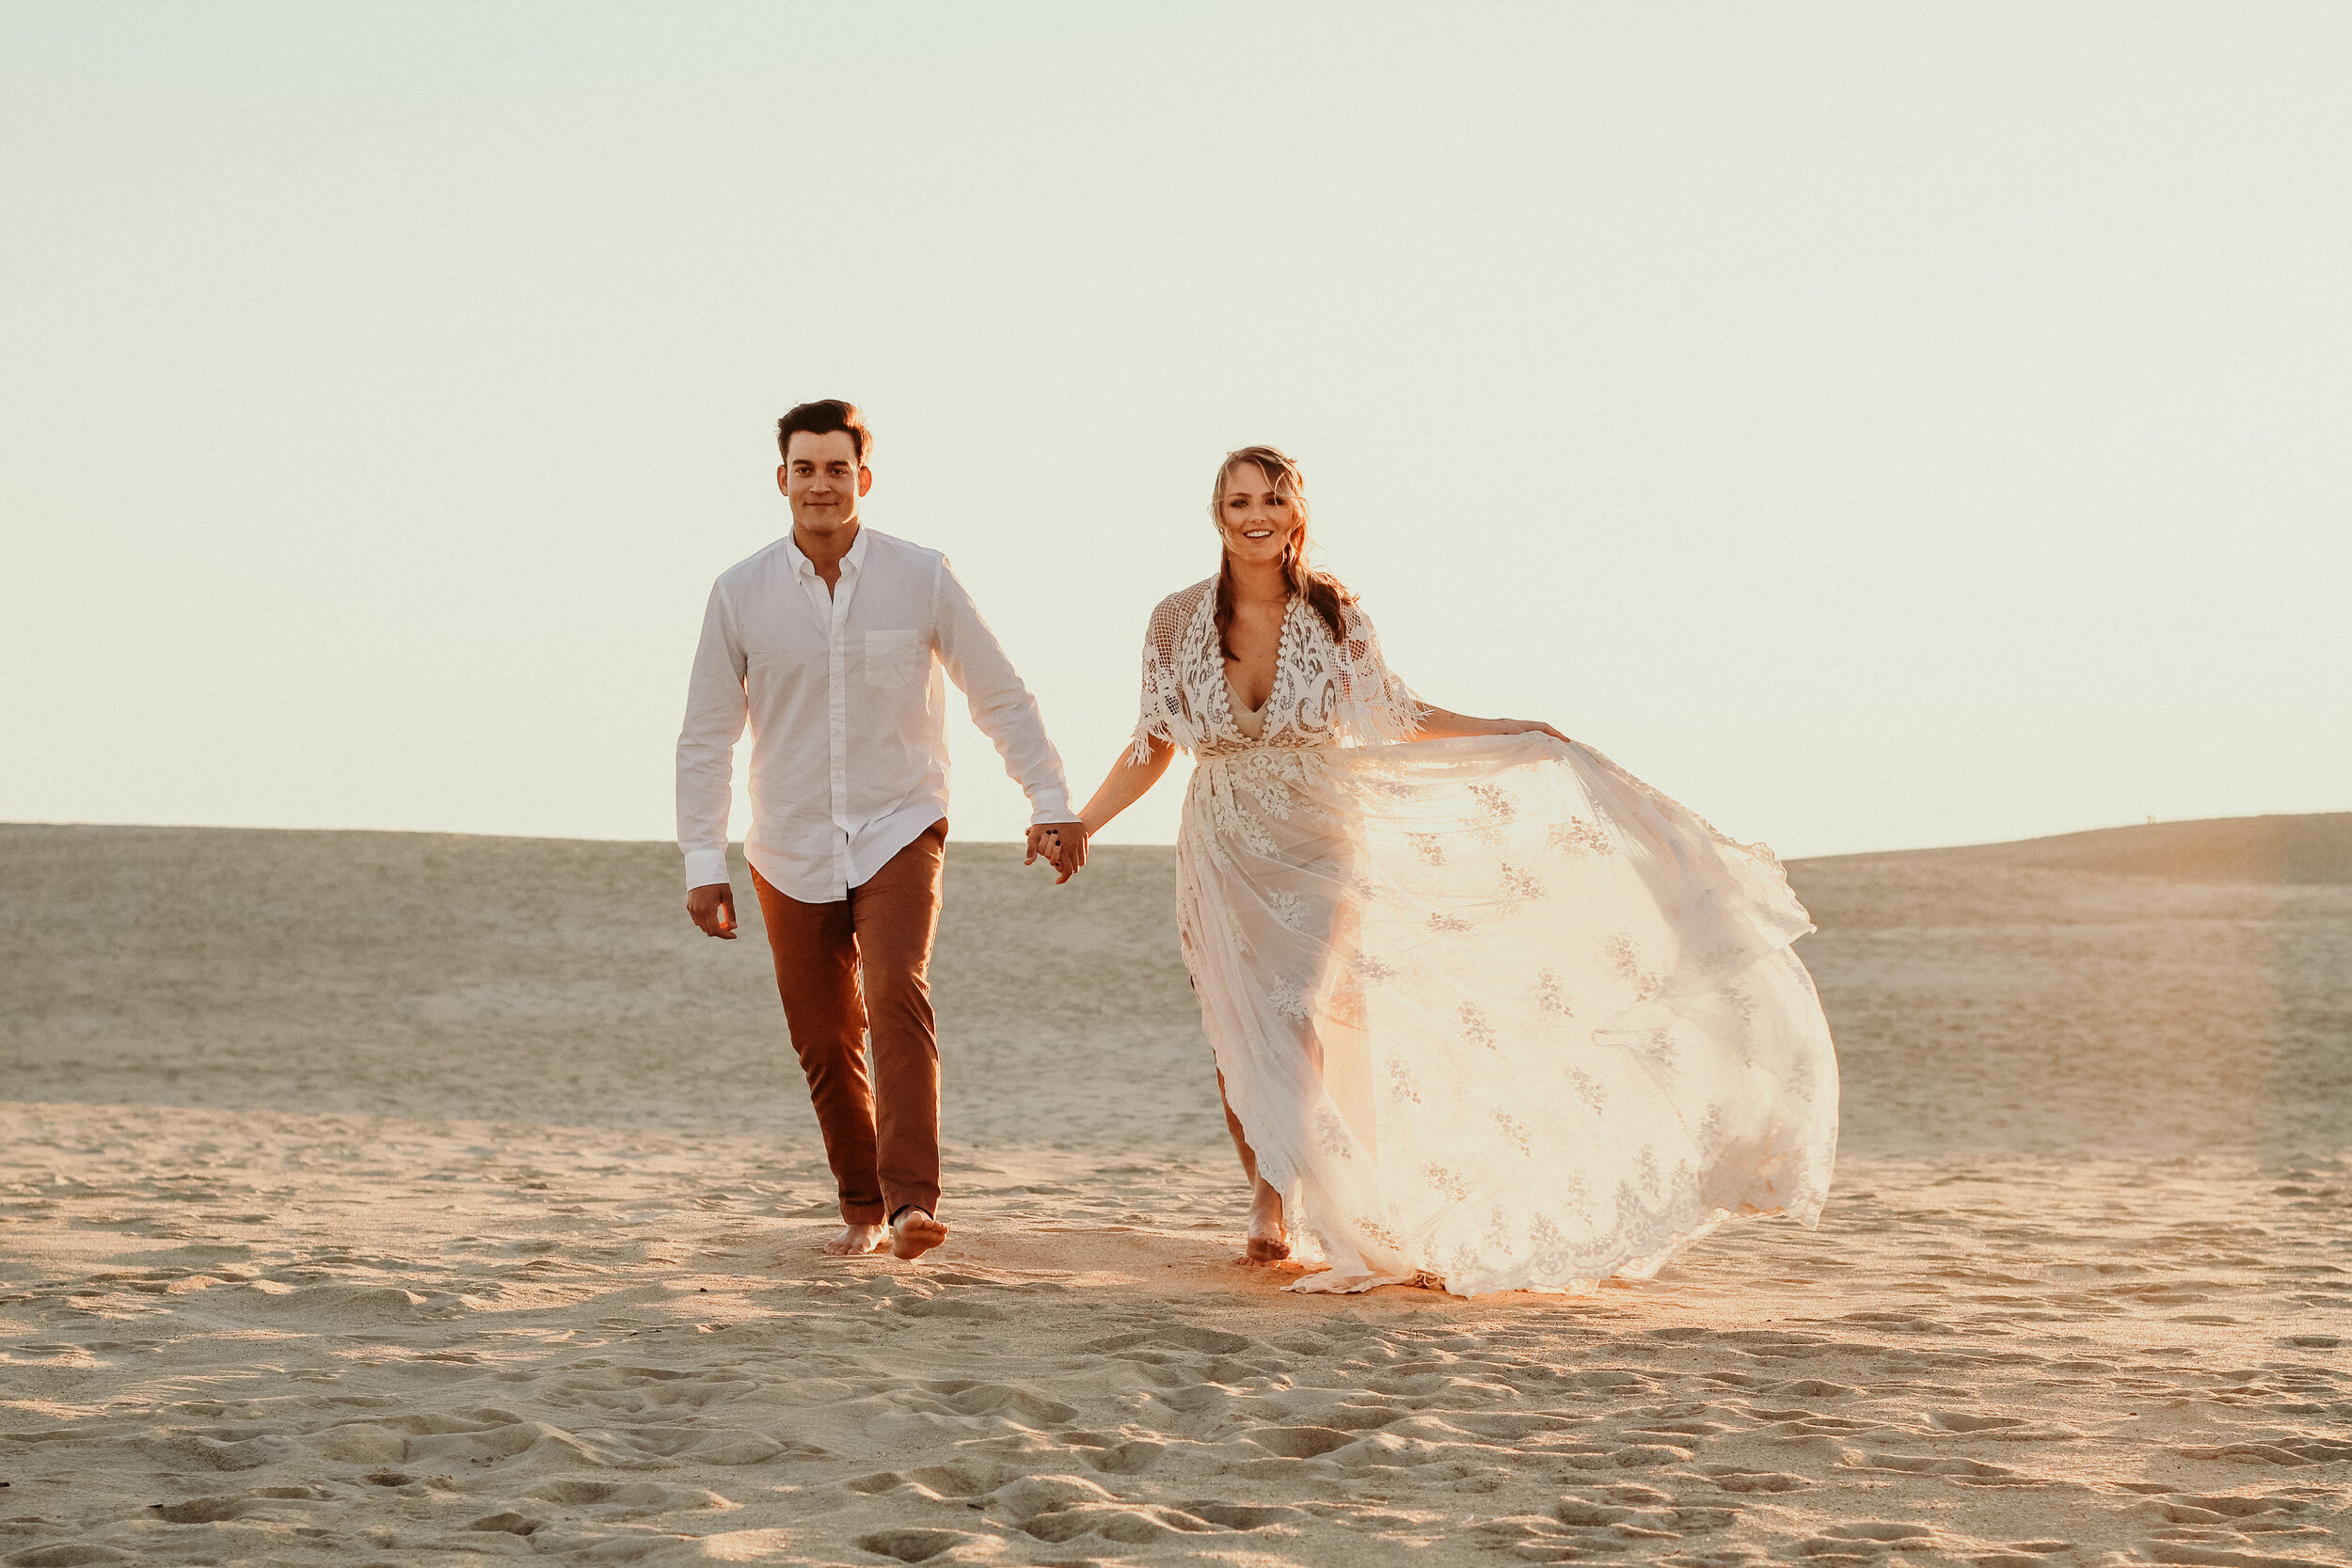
(1326, 692)
(1494, 1014)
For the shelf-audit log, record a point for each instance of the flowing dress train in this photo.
(1493, 1013)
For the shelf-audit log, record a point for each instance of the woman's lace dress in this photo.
(1491, 1011)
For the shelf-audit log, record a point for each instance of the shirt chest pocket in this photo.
(896, 659)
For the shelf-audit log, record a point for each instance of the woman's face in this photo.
(1258, 521)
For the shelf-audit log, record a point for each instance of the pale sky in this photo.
(1875, 426)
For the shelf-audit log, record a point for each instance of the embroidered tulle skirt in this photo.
(1495, 1014)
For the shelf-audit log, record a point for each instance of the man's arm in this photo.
(1006, 713)
(715, 715)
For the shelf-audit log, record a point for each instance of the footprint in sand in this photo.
(1872, 1529)
(508, 1523)
(917, 1546)
(1639, 1512)
(1948, 1420)
(628, 1500)
(1346, 1417)
(935, 1481)
(1125, 1459)
(1757, 1480)
(1241, 1517)
(993, 1399)
(1300, 1442)
(1939, 1464)
(1030, 1495)
(261, 1499)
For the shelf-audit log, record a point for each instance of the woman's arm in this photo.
(1127, 782)
(1437, 723)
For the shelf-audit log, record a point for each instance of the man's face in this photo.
(822, 478)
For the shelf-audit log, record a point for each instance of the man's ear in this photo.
(780, 486)
(865, 479)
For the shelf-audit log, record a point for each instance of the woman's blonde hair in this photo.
(1323, 592)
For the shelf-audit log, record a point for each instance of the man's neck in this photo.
(825, 550)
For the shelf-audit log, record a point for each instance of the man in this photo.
(831, 643)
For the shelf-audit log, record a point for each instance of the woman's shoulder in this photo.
(1342, 602)
(1172, 618)
(1185, 603)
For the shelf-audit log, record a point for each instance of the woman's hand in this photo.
(1523, 726)
(1439, 723)
(1061, 845)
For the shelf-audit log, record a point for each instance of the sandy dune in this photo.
(385, 1198)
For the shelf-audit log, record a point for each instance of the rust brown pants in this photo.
(854, 968)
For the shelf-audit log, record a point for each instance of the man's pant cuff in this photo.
(926, 1200)
(862, 1213)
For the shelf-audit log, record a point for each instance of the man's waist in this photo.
(802, 821)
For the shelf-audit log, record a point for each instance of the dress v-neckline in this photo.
(1234, 706)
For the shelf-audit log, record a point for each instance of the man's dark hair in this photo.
(822, 418)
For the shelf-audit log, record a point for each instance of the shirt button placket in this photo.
(837, 726)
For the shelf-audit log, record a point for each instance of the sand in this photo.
(382, 1198)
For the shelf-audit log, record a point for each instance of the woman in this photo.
(1487, 1011)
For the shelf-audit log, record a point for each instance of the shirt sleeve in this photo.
(715, 715)
(1001, 704)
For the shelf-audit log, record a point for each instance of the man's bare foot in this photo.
(1269, 1243)
(915, 1233)
(856, 1241)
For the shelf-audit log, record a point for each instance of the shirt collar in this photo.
(801, 567)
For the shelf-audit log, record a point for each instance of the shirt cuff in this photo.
(705, 866)
(1051, 805)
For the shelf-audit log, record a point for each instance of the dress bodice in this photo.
(1327, 690)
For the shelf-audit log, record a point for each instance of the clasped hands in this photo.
(1060, 845)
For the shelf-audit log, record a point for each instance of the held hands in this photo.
(1062, 845)
(714, 908)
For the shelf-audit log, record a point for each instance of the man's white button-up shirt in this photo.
(847, 709)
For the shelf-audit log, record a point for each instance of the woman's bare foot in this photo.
(915, 1233)
(1269, 1243)
(856, 1241)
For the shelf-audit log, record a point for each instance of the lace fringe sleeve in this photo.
(1375, 705)
(1163, 715)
